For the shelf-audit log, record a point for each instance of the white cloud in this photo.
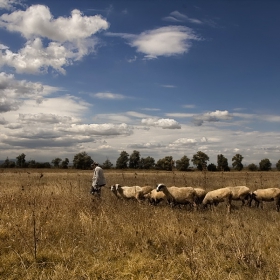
(179, 115)
(46, 118)
(163, 123)
(216, 116)
(109, 95)
(145, 145)
(105, 129)
(14, 93)
(189, 106)
(70, 39)
(9, 4)
(37, 21)
(2, 120)
(34, 58)
(168, 86)
(176, 16)
(163, 41)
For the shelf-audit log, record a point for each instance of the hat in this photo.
(94, 163)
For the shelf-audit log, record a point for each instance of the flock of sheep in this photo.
(197, 197)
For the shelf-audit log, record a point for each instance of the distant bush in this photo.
(252, 167)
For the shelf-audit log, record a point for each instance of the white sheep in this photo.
(216, 196)
(269, 194)
(125, 192)
(155, 197)
(176, 195)
(241, 193)
(146, 189)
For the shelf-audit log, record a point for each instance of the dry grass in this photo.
(51, 228)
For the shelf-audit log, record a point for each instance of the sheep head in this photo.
(160, 187)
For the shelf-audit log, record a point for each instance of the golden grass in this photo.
(52, 228)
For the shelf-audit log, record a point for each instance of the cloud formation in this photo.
(216, 116)
(176, 16)
(163, 123)
(109, 95)
(9, 4)
(70, 39)
(163, 41)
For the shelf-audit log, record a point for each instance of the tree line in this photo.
(135, 161)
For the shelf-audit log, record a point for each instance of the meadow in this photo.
(52, 228)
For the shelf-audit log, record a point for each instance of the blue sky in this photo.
(165, 78)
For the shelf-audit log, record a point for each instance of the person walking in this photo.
(98, 179)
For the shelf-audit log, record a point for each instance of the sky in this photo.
(165, 78)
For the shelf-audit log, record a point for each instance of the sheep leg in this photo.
(277, 201)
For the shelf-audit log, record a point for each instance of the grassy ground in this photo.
(52, 228)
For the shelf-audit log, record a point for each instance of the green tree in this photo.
(278, 165)
(122, 161)
(134, 160)
(147, 163)
(222, 163)
(183, 163)
(237, 162)
(82, 161)
(56, 162)
(64, 163)
(212, 167)
(107, 164)
(200, 160)
(165, 163)
(20, 162)
(265, 164)
(252, 167)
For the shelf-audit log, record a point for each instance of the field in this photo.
(52, 228)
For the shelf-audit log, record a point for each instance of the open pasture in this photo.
(52, 228)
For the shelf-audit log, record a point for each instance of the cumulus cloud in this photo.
(212, 117)
(163, 41)
(105, 129)
(70, 39)
(187, 142)
(37, 21)
(45, 118)
(163, 123)
(176, 16)
(14, 93)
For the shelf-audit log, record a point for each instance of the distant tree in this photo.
(32, 164)
(200, 160)
(134, 160)
(122, 160)
(82, 161)
(183, 163)
(8, 163)
(147, 163)
(21, 161)
(107, 164)
(64, 163)
(165, 163)
(212, 167)
(44, 165)
(237, 162)
(252, 167)
(278, 165)
(265, 164)
(56, 162)
(222, 163)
